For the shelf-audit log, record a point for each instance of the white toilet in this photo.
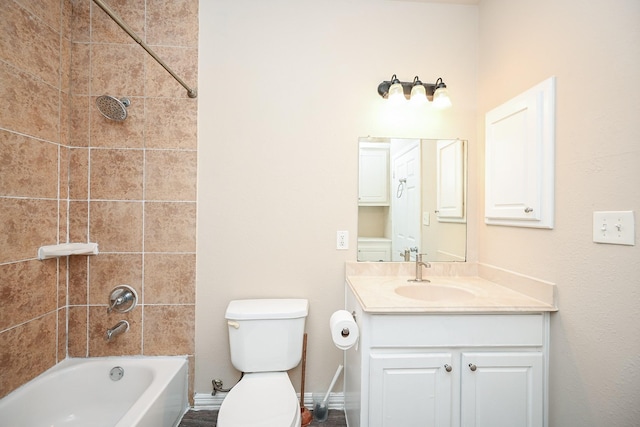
(265, 339)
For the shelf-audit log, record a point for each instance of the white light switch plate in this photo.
(614, 227)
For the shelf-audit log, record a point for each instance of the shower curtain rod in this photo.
(192, 93)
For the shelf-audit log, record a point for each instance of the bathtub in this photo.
(146, 392)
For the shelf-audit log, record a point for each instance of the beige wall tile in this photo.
(26, 351)
(105, 30)
(170, 175)
(169, 278)
(28, 290)
(117, 70)
(170, 227)
(116, 226)
(63, 281)
(169, 329)
(80, 22)
(116, 174)
(183, 61)
(78, 174)
(172, 23)
(63, 176)
(106, 271)
(78, 280)
(63, 220)
(171, 123)
(129, 343)
(65, 65)
(62, 334)
(80, 66)
(26, 225)
(47, 11)
(77, 335)
(79, 121)
(28, 167)
(34, 104)
(78, 221)
(30, 45)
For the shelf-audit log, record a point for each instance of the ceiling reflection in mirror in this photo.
(412, 199)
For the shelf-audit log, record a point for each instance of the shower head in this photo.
(113, 108)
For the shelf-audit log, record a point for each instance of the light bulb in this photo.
(418, 95)
(396, 93)
(441, 98)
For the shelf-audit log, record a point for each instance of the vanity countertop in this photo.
(447, 294)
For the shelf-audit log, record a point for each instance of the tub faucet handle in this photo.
(122, 299)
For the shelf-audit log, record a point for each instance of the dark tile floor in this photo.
(208, 419)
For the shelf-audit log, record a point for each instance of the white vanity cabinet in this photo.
(447, 369)
(373, 181)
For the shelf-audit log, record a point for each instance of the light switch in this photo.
(425, 218)
(614, 227)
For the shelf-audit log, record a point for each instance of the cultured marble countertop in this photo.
(451, 294)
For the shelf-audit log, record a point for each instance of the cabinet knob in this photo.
(528, 210)
(472, 367)
(448, 368)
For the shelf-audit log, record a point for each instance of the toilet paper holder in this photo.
(345, 331)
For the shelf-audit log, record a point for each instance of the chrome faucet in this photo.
(419, 265)
(120, 328)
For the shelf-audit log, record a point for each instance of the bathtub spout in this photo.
(120, 328)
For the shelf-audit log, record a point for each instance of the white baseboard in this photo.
(205, 401)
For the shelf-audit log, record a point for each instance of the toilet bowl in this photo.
(265, 341)
(261, 399)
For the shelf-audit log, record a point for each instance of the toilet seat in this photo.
(261, 399)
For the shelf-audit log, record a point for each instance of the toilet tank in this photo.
(265, 335)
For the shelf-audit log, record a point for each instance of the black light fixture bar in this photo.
(430, 88)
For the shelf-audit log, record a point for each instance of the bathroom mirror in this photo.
(412, 199)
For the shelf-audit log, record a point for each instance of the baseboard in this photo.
(205, 401)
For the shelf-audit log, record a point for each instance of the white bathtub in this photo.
(80, 393)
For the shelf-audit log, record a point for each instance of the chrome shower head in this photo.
(113, 108)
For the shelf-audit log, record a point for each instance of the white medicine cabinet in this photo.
(519, 159)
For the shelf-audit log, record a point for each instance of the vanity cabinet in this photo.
(373, 182)
(447, 369)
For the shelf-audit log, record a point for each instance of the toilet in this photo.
(265, 341)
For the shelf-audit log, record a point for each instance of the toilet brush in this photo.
(320, 409)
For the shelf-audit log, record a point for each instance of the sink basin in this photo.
(433, 292)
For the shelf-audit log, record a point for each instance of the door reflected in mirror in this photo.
(412, 199)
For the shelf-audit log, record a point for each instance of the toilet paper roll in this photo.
(344, 330)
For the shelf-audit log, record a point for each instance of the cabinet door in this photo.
(374, 251)
(519, 155)
(450, 180)
(373, 182)
(410, 390)
(502, 390)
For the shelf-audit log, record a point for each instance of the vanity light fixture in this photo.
(416, 91)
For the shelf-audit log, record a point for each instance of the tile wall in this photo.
(69, 174)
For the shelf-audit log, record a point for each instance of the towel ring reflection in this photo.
(400, 189)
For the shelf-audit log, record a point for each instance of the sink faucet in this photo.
(419, 265)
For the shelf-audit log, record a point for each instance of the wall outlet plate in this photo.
(342, 240)
(614, 227)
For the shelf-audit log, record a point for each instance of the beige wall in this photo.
(68, 173)
(593, 49)
(286, 89)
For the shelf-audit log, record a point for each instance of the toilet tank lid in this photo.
(248, 309)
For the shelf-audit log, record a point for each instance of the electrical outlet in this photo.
(615, 228)
(342, 240)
